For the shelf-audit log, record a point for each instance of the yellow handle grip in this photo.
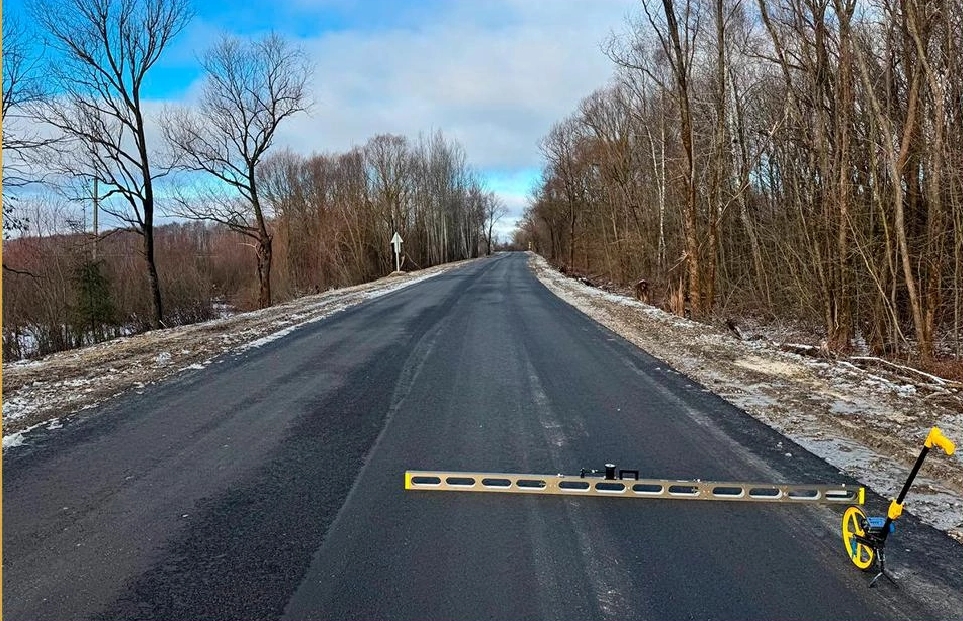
(936, 437)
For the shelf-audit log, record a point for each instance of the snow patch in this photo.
(755, 363)
(12, 440)
(270, 338)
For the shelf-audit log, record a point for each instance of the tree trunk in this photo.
(841, 329)
(680, 68)
(720, 170)
(745, 166)
(264, 255)
(571, 234)
(897, 163)
(936, 221)
(157, 320)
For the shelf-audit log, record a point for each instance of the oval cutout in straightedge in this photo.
(610, 487)
(574, 486)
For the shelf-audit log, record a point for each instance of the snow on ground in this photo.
(868, 425)
(37, 393)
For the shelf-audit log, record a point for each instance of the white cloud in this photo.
(493, 75)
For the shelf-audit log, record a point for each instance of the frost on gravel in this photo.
(867, 426)
(43, 392)
(302, 321)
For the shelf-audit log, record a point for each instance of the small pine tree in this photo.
(94, 310)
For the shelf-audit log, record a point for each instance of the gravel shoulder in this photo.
(868, 424)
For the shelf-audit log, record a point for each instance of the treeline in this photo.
(336, 213)
(59, 292)
(330, 218)
(799, 159)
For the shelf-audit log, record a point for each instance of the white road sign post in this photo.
(396, 244)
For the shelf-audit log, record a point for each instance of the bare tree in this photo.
(389, 162)
(804, 155)
(495, 210)
(676, 31)
(103, 50)
(562, 150)
(251, 87)
(22, 88)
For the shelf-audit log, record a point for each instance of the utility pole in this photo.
(96, 209)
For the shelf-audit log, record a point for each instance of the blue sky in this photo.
(493, 74)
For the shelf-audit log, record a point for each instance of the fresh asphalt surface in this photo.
(270, 484)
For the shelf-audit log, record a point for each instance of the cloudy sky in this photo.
(493, 74)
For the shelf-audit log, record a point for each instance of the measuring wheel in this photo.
(860, 554)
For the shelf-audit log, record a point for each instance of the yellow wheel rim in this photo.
(861, 555)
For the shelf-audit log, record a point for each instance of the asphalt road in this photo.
(270, 484)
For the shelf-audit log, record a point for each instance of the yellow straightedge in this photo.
(433, 481)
